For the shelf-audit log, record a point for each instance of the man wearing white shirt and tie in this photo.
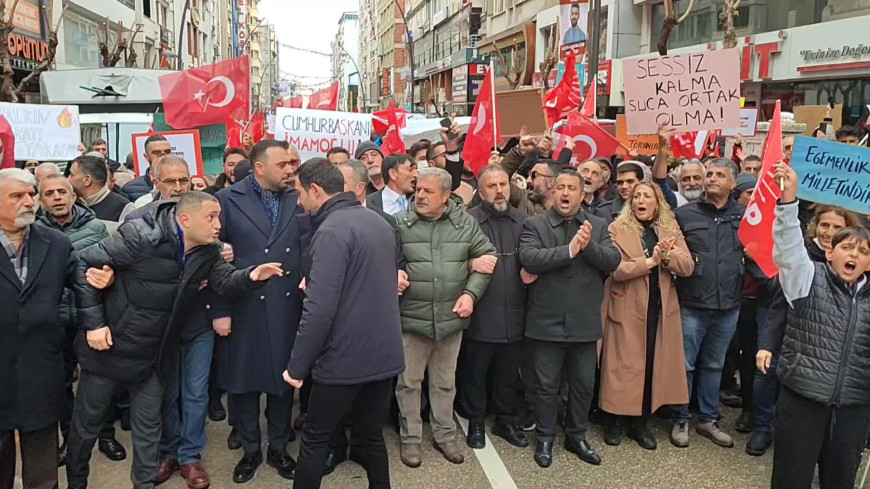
(400, 178)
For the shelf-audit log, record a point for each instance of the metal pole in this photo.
(492, 92)
(180, 63)
(358, 75)
(596, 40)
(410, 49)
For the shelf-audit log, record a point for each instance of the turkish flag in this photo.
(756, 229)
(326, 99)
(690, 145)
(294, 102)
(7, 139)
(257, 126)
(207, 95)
(566, 96)
(392, 138)
(484, 131)
(590, 139)
(589, 108)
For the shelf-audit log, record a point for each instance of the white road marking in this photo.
(493, 467)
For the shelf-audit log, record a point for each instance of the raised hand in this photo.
(785, 176)
(581, 240)
(527, 144)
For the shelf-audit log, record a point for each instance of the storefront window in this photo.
(702, 25)
(853, 94)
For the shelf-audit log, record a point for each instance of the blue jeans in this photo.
(185, 401)
(707, 333)
(764, 389)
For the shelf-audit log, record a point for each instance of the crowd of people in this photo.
(404, 289)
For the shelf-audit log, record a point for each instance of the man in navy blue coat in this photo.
(261, 220)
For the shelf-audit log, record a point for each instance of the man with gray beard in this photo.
(691, 182)
(493, 341)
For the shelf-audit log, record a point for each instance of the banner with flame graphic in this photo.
(44, 132)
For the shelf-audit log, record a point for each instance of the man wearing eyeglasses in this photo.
(171, 178)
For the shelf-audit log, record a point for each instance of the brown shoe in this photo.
(195, 475)
(165, 470)
(450, 451)
(410, 455)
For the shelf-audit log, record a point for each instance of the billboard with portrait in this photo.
(573, 27)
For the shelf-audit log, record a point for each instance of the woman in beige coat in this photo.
(642, 362)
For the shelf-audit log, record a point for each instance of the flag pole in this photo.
(492, 92)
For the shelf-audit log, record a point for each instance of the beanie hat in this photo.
(745, 182)
(366, 146)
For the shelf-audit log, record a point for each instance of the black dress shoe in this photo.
(233, 442)
(216, 411)
(744, 423)
(584, 450)
(333, 460)
(759, 443)
(283, 463)
(357, 457)
(125, 419)
(544, 453)
(476, 435)
(613, 430)
(247, 467)
(112, 449)
(61, 454)
(640, 433)
(730, 399)
(511, 434)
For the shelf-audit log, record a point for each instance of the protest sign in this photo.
(185, 144)
(314, 132)
(813, 115)
(645, 144)
(518, 108)
(213, 143)
(44, 132)
(691, 92)
(832, 173)
(748, 123)
(573, 24)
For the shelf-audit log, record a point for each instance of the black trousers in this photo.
(579, 360)
(747, 335)
(38, 458)
(69, 366)
(95, 399)
(328, 406)
(503, 362)
(807, 433)
(246, 419)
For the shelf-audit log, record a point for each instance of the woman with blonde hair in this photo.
(642, 361)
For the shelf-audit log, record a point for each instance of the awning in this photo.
(104, 86)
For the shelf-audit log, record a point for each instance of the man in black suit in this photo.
(571, 253)
(35, 264)
(400, 178)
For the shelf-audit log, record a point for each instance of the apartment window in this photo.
(192, 40)
(146, 8)
(495, 6)
(80, 39)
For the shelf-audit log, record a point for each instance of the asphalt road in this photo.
(701, 466)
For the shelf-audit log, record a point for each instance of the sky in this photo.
(308, 24)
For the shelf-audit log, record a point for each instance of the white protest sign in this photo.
(44, 132)
(690, 92)
(314, 132)
(184, 144)
(748, 123)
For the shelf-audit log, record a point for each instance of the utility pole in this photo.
(410, 56)
(596, 40)
(180, 63)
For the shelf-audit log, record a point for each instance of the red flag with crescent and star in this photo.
(206, 95)
(484, 131)
(325, 99)
(590, 140)
(7, 144)
(566, 96)
(389, 122)
(756, 228)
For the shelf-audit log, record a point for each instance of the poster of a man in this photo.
(574, 34)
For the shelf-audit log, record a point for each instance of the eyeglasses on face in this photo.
(175, 181)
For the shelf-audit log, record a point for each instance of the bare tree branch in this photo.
(132, 56)
(46, 62)
(671, 23)
(686, 13)
(120, 47)
(7, 87)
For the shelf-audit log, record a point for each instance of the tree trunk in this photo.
(726, 18)
(670, 24)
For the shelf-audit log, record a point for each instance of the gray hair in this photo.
(358, 169)
(17, 175)
(168, 160)
(725, 163)
(491, 169)
(49, 166)
(444, 178)
(55, 177)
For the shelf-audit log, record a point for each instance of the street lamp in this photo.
(359, 80)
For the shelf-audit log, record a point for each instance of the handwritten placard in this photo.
(832, 173)
(314, 132)
(645, 144)
(44, 132)
(690, 92)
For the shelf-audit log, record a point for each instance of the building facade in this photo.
(345, 56)
(390, 51)
(369, 61)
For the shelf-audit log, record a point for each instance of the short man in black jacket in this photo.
(493, 342)
(571, 253)
(130, 333)
(710, 297)
(350, 336)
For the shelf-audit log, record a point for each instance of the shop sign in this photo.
(460, 84)
(835, 54)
